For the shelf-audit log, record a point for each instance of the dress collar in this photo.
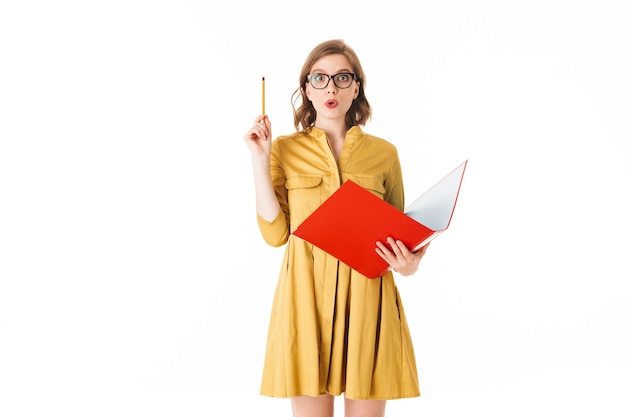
(317, 133)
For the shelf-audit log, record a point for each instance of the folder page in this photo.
(434, 208)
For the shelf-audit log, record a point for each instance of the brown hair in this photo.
(360, 111)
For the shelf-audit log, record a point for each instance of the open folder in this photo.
(350, 221)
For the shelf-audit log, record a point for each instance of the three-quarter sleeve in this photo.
(394, 188)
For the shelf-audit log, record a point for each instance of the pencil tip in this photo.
(263, 79)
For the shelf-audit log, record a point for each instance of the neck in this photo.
(334, 131)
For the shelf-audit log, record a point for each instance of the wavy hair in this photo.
(360, 111)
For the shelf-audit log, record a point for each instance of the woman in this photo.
(332, 330)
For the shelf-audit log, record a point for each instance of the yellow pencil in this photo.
(263, 96)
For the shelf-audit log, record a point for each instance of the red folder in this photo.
(348, 224)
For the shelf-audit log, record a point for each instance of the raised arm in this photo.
(259, 141)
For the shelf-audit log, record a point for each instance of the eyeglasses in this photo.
(341, 80)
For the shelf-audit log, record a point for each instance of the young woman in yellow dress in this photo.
(332, 331)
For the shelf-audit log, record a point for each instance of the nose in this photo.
(331, 87)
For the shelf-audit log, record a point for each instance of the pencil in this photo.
(263, 96)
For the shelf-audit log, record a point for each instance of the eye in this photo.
(343, 77)
(319, 78)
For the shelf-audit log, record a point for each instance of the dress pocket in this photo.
(304, 195)
(303, 181)
(371, 183)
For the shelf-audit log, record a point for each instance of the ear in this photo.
(357, 88)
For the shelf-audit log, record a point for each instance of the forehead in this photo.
(332, 63)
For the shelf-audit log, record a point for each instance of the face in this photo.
(332, 102)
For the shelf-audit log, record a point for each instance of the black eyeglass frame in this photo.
(332, 77)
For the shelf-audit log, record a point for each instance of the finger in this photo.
(255, 139)
(259, 131)
(262, 120)
(384, 252)
(253, 134)
(394, 246)
(384, 257)
(382, 247)
(403, 248)
(264, 127)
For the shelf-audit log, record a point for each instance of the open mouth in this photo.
(331, 104)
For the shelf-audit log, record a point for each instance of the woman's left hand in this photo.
(400, 258)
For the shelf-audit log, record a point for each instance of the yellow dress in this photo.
(333, 330)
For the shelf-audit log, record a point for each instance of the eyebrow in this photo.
(338, 72)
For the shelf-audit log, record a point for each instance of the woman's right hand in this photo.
(259, 137)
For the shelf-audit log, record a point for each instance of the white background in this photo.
(133, 278)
